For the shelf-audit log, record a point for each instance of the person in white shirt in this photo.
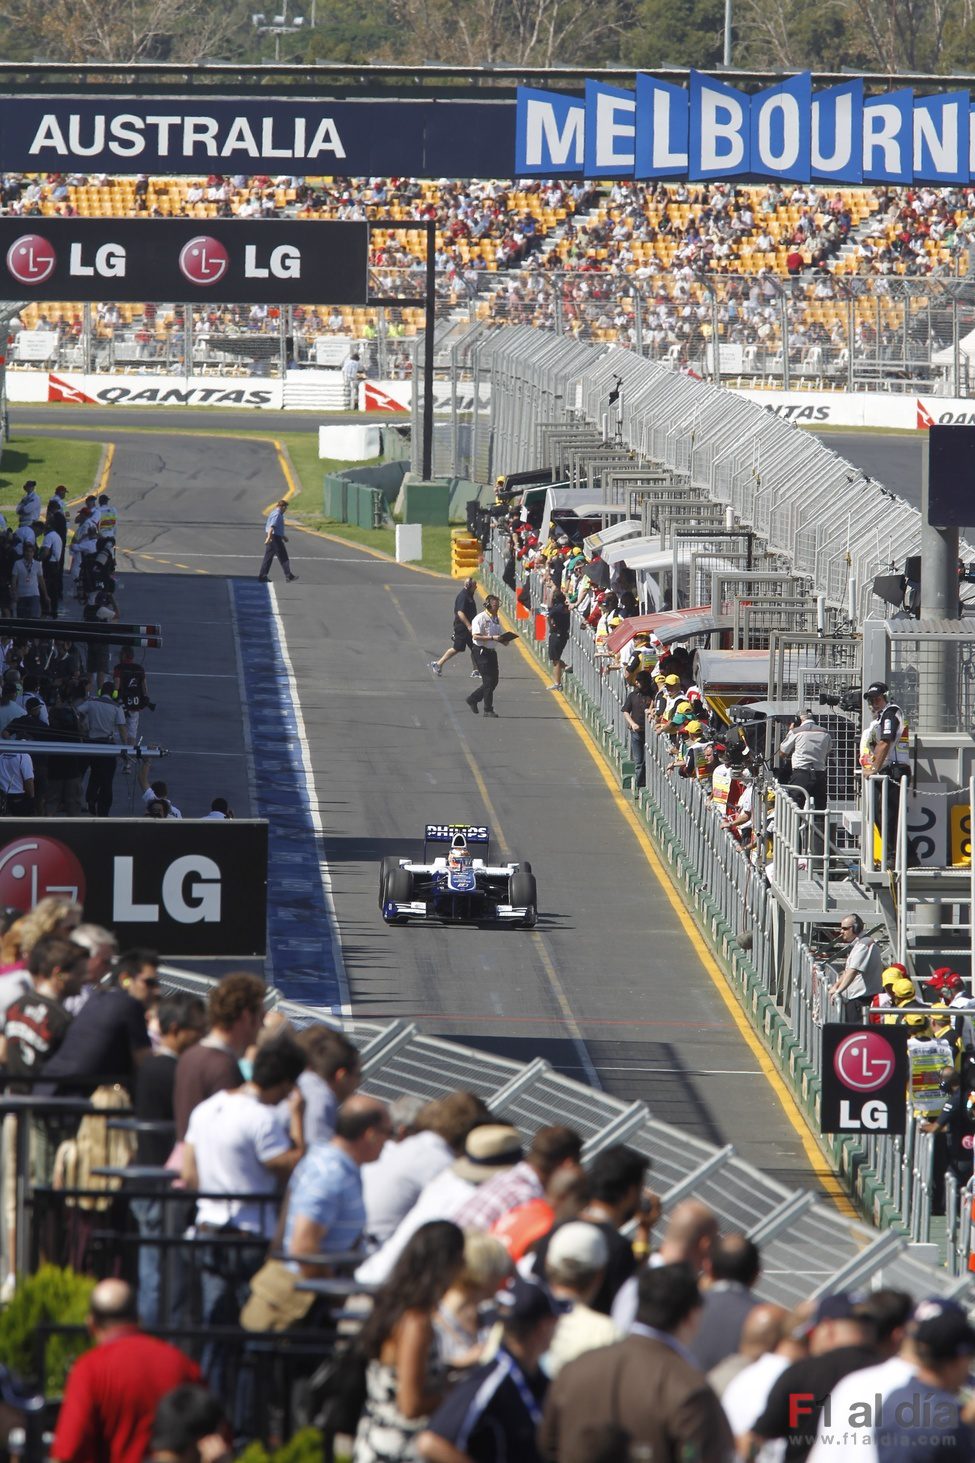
(490, 1149)
(237, 1142)
(486, 634)
(29, 507)
(220, 809)
(17, 783)
(27, 585)
(392, 1185)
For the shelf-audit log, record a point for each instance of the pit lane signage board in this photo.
(216, 261)
(864, 1079)
(180, 886)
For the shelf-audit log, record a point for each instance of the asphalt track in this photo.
(612, 986)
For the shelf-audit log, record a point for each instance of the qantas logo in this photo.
(374, 398)
(58, 390)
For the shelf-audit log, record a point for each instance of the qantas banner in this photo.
(73, 388)
(396, 397)
(231, 262)
(180, 135)
(864, 409)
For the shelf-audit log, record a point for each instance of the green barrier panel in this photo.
(335, 497)
(426, 503)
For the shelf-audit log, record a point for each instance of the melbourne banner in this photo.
(712, 130)
(227, 261)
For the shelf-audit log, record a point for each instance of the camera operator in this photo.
(808, 748)
(131, 691)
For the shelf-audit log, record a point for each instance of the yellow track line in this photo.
(828, 1179)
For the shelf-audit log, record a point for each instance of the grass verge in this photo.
(51, 460)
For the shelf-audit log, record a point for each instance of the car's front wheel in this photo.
(523, 891)
(399, 888)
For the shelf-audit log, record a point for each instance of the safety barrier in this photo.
(465, 554)
(347, 501)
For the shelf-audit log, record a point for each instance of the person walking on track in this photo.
(465, 609)
(275, 539)
(487, 634)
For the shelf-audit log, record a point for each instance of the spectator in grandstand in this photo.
(494, 1414)
(734, 1265)
(842, 1339)
(552, 1148)
(190, 1426)
(181, 1021)
(326, 1212)
(238, 1143)
(102, 948)
(406, 1376)
(332, 1074)
(404, 1113)
(616, 1196)
(745, 1397)
(235, 1007)
(489, 1149)
(860, 979)
(761, 1332)
(926, 1416)
(575, 1264)
(392, 1184)
(113, 1391)
(566, 1195)
(465, 1316)
(646, 1390)
(893, 1313)
(465, 608)
(692, 1229)
(109, 1038)
(807, 748)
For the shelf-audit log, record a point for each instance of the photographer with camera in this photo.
(885, 754)
(808, 748)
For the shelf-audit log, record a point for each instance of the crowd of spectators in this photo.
(476, 1294)
(672, 269)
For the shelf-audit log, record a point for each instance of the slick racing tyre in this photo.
(523, 891)
(388, 866)
(399, 887)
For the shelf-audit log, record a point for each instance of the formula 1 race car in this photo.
(455, 886)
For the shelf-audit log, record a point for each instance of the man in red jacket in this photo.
(113, 1390)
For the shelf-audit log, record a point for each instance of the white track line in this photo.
(311, 800)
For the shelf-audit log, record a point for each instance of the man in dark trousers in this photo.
(465, 608)
(275, 539)
(486, 633)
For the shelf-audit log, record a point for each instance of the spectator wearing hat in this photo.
(645, 1390)
(847, 1430)
(574, 1268)
(489, 1150)
(903, 992)
(859, 981)
(924, 1419)
(883, 1002)
(493, 1416)
(807, 747)
(842, 1339)
(553, 1148)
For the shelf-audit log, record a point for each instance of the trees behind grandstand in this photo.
(875, 35)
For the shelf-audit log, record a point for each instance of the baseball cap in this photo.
(940, 1015)
(528, 1301)
(578, 1243)
(903, 988)
(892, 974)
(489, 1149)
(942, 1327)
(916, 1021)
(672, 680)
(693, 727)
(839, 1307)
(876, 688)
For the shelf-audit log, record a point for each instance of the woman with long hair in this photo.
(405, 1376)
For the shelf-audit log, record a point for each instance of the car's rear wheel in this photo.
(388, 866)
(399, 888)
(523, 891)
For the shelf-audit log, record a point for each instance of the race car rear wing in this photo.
(475, 833)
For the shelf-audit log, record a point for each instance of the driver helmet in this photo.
(460, 855)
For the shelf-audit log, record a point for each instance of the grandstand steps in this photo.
(315, 391)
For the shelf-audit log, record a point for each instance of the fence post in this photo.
(187, 340)
(786, 374)
(851, 330)
(86, 338)
(559, 322)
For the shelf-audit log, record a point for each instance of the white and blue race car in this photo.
(459, 885)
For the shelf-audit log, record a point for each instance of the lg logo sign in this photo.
(864, 1080)
(203, 261)
(188, 892)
